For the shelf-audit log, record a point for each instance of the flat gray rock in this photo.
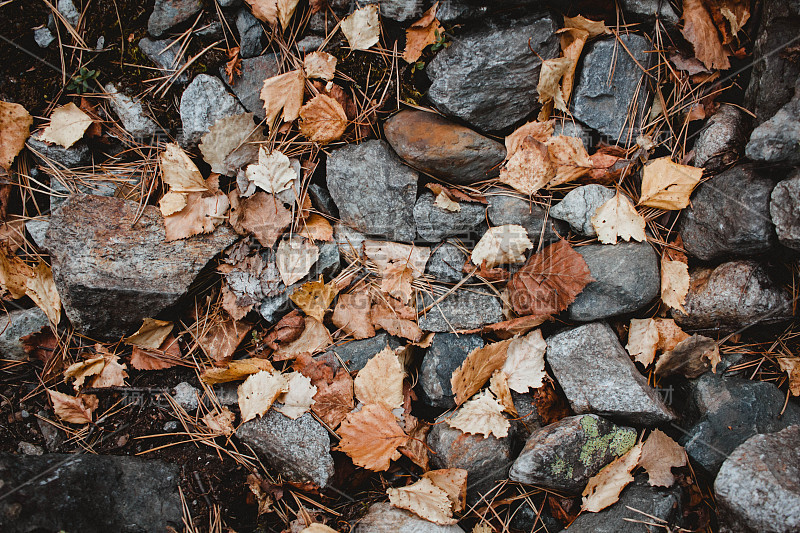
(563, 456)
(445, 354)
(401, 10)
(627, 280)
(776, 140)
(784, 207)
(250, 34)
(579, 205)
(436, 224)
(733, 295)
(649, 10)
(355, 354)
(132, 114)
(17, 324)
(374, 191)
(488, 76)
(169, 13)
(77, 155)
(446, 262)
(247, 87)
(443, 148)
(758, 486)
(507, 208)
(204, 102)
(598, 376)
(88, 493)
(298, 449)
(383, 517)
(606, 105)
(164, 53)
(107, 286)
(463, 309)
(722, 139)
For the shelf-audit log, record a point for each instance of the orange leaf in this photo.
(352, 315)
(371, 437)
(422, 33)
(72, 409)
(477, 368)
(699, 29)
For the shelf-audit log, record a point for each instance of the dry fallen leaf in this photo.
(113, 373)
(362, 28)
(299, 398)
(236, 370)
(265, 10)
(352, 315)
(549, 281)
(424, 499)
(570, 158)
(396, 282)
(315, 297)
(286, 9)
(549, 87)
(791, 365)
(283, 92)
(317, 228)
(318, 528)
(273, 173)
(498, 385)
(82, 370)
(258, 392)
(179, 171)
(75, 410)
(370, 437)
(322, 119)
(295, 257)
(381, 381)
(320, 65)
(14, 274)
(529, 168)
(660, 454)
(151, 334)
(15, 126)
(642, 340)
(220, 337)
(669, 334)
(166, 356)
(384, 253)
(287, 330)
(477, 368)
(261, 215)
(224, 137)
(314, 338)
(668, 185)
(454, 482)
(41, 288)
(690, 358)
(202, 214)
(524, 364)
(618, 218)
(443, 201)
(396, 319)
(67, 125)
(220, 421)
(426, 31)
(604, 488)
(501, 245)
(674, 283)
(334, 398)
(594, 28)
(482, 415)
(699, 29)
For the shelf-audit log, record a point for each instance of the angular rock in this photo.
(69, 11)
(486, 460)
(43, 36)
(374, 191)
(649, 10)
(355, 354)
(446, 262)
(436, 224)
(211, 31)
(298, 449)
(731, 296)
(463, 309)
(453, 11)
(579, 205)
(204, 102)
(627, 279)
(528, 418)
(638, 504)
(488, 76)
(186, 396)
(88, 493)
(65, 185)
(250, 34)
(108, 285)
(169, 13)
(132, 114)
(504, 208)
(776, 140)
(527, 516)
(383, 517)
(164, 54)
(17, 324)
(722, 413)
(445, 354)
(598, 376)
(349, 241)
(37, 229)
(784, 207)
(605, 104)
(758, 486)
(563, 456)
(247, 87)
(310, 43)
(401, 10)
(77, 155)
(722, 139)
(322, 201)
(443, 148)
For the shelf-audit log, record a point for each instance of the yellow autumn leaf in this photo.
(668, 185)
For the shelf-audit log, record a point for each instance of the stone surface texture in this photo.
(383, 517)
(505, 208)
(355, 354)
(722, 139)
(463, 309)
(17, 324)
(247, 87)
(169, 13)
(784, 208)
(204, 102)
(777, 140)
(436, 224)
(164, 53)
(579, 205)
(250, 34)
(131, 112)
(446, 262)
(445, 354)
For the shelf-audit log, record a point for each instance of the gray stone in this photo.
(383, 517)
(458, 11)
(229, 3)
(204, 102)
(299, 449)
(777, 140)
(250, 34)
(729, 216)
(27, 448)
(169, 13)
(722, 413)
(164, 54)
(88, 493)
(53, 435)
(77, 155)
(445, 354)
(64, 185)
(210, 31)
(758, 487)
(322, 22)
(563, 456)
(373, 190)
(627, 280)
(649, 10)
(107, 286)
(527, 420)
(605, 104)
(733, 295)
(784, 207)
(17, 324)
(322, 201)
(486, 460)
(579, 205)
(131, 112)
(310, 43)
(436, 224)
(69, 12)
(401, 10)
(349, 241)
(43, 36)
(463, 309)
(598, 376)
(37, 229)
(639, 504)
(527, 516)
(355, 354)
(507, 208)
(443, 148)
(722, 139)
(186, 396)
(445, 263)
(488, 76)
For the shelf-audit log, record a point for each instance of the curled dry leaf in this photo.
(482, 415)
(273, 173)
(424, 499)
(15, 128)
(258, 392)
(362, 28)
(322, 119)
(295, 257)
(550, 76)
(317, 228)
(202, 214)
(477, 368)
(283, 92)
(660, 454)
(113, 373)
(443, 201)
(498, 385)
(166, 356)
(236, 370)
(314, 338)
(352, 315)
(14, 274)
(220, 421)
(424, 32)
(299, 398)
(151, 334)
(288, 329)
(230, 143)
(454, 482)
(549, 281)
(67, 125)
(261, 215)
(529, 168)
(791, 365)
(320, 65)
(381, 381)
(396, 282)
(516, 326)
(569, 156)
(674, 283)
(501, 245)
(371, 436)
(41, 288)
(265, 10)
(690, 358)
(699, 29)
(668, 185)
(315, 297)
(82, 370)
(524, 363)
(75, 410)
(416, 449)
(617, 218)
(643, 340)
(397, 320)
(334, 398)
(604, 488)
